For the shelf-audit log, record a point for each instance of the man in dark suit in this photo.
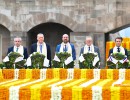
(118, 47)
(89, 47)
(18, 48)
(41, 47)
(65, 46)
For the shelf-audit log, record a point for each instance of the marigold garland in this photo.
(127, 74)
(28, 73)
(89, 74)
(103, 74)
(68, 82)
(24, 93)
(63, 73)
(106, 93)
(76, 90)
(49, 74)
(110, 74)
(17, 82)
(83, 73)
(115, 74)
(36, 74)
(115, 93)
(74, 83)
(72, 89)
(87, 93)
(4, 93)
(22, 73)
(77, 73)
(46, 93)
(8, 73)
(125, 93)
(1, 75)
(67, 93)
(56, 73)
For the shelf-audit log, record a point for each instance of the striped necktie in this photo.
(65, 48)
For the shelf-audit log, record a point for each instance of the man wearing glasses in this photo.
(18, 48)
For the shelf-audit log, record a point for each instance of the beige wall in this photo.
(79, 15)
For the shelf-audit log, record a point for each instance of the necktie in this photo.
(41, 48)
(118, 49)
(88, 48)
(65, 48)
(17, 49)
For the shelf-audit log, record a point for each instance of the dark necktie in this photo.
(41, 48)
(17, 49)
(65, 48)
(88, 48)
(118, 49)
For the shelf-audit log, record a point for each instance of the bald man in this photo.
(65, 46)
(41, 47)
(89, 47)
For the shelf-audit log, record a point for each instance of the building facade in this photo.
(78, 18)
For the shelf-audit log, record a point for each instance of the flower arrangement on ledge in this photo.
(89, 61)
(117, 61)
(128, 54)
(61, 62)
(37, 61)
(12, 63)
(1, 65)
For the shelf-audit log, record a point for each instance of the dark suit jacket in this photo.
(96, 49)
(34, 49)
(111, 51)
(73, 50)
(25, 53)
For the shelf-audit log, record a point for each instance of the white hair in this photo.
(89, 37)
(40, 34)
(19, 38)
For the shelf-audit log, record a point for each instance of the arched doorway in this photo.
(111, 35)
(52, 32)
(4, 41)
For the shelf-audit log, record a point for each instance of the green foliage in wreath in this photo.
(1, 65)
(12, 57)
(62, 56)
(20, 64)
(117, 56)
(88, 62)
(37, 60)
(128, 54)
(128, 58)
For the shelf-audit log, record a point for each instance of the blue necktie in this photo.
(17, 49)
(65, 49)
(88, 48)
(41, 48)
